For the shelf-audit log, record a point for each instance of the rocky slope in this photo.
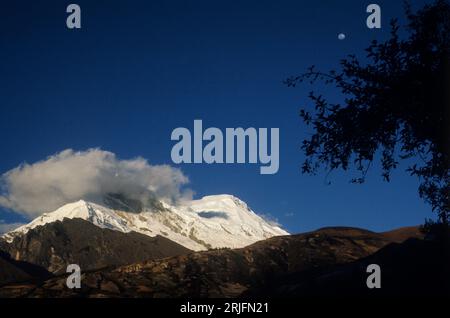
(10, 272)
(16, 271)
(55, 245)
(264, 267)
(414, 268)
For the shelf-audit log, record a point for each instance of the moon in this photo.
(341, 36)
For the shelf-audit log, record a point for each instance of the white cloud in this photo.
(6, 227)
(269, 218)
(32, 189)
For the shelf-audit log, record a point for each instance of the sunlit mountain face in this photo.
(211, 222)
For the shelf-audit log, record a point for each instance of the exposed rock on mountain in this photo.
(55, 245)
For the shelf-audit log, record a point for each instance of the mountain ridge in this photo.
(213, 221)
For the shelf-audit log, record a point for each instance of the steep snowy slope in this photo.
(211, 222)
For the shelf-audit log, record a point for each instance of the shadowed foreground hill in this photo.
(415, 267)
(259, 269)
(75, 241)
(16, 271)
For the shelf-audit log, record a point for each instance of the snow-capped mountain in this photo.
(210, 222)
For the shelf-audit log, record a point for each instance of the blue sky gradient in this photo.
(138, 69)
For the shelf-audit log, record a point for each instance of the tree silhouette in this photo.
(396, 102)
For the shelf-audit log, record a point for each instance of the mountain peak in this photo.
(211, 222)
(220, 201)
(223, 198)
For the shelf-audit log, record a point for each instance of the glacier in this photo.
(215, 221)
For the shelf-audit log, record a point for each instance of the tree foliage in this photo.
(396, 102)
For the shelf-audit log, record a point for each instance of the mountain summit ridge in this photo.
(214, 221)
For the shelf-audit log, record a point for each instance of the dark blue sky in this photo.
(138, 69)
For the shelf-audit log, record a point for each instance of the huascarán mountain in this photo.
(212, 247)
(211, 222)
(125, 231)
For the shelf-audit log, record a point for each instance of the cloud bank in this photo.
(68, 176)
(269, 218)
(6, 227)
